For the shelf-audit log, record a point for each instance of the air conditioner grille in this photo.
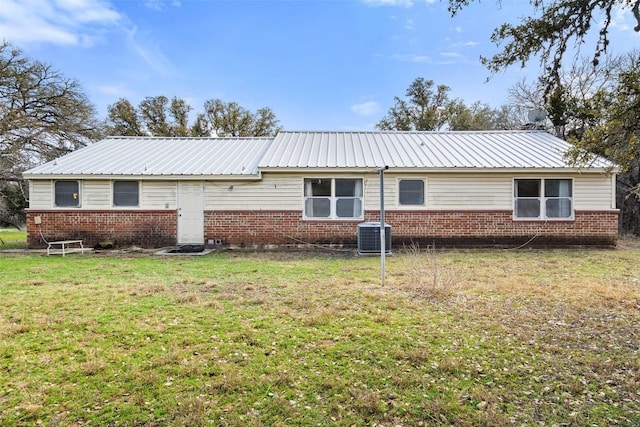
(369, 237)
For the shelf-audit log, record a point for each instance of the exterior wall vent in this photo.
(369, 238)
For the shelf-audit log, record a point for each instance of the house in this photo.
(451, 188)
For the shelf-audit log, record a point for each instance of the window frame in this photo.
(424, 191)
(543, 199)
(333, 199)
(78, 195)
(113, 194)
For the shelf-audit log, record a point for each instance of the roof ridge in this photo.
(222, 138)
(418, 131)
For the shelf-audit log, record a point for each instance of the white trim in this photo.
(332, 199)
(133, 177)
(80, 183)
(542, 198)
(614, 189)
(425, 170)
(182, 231)
(112, 194)
(424, 191)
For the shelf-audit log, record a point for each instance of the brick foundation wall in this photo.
(149, 228)
(449, 228)
(158, 228)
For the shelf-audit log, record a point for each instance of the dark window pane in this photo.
(557, 188)
(527, 188)
(125, 193)
(348, 208)
(67, 193)
(412, 192)
(317, 207)
(347, 188)
(558, 208)
(317, 187)
(527, 208)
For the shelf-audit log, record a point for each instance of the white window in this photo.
(126, 193)
(67, 194)
(333, 198)
(543, 199)
(411, 192)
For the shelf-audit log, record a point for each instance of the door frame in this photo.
(196, 206)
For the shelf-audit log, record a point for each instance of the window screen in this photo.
(67, 193)
(125, 193)
(411, 192)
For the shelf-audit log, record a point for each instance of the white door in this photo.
(190, 213)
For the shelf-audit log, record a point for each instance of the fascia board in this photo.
(145, 177)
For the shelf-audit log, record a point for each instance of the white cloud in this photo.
(366, 109)
(149, 53)
(471, 44)
(81, 23)
(114, 90)
(161, 5)
(410, 57)
(61, 22)
(450, 54)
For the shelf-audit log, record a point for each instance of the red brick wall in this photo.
(158, 228)
(148, 228)
(249, 228)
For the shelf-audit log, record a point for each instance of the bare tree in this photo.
(43, 115)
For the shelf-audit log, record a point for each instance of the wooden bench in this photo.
(64, 247)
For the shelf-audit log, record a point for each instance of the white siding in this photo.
(271, 193)
(41, 194)
(593, 192)
(285, 192)
(444, 192)
(469, 192)
(96, 194)
(372, 192)
(158, 195)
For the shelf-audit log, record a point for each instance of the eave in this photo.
(367, 170)
(146, 177)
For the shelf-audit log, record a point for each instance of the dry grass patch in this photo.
(520, 338)
(426, 275)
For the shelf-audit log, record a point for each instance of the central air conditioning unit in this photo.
(369, 238)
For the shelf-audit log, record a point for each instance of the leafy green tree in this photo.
(43, 115)
(179, 113)
(426, 108)
(157, 116)
(122, 119)
(478, 116)
(153, 113)
(200, 127)
(553, 29)
(598, 111)
(230, 119)
(265, 123)
(618, 137)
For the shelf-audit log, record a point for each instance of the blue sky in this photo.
(319, 65)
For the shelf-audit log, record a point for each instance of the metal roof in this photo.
(248, 157)
(413, 150)
(158, 157)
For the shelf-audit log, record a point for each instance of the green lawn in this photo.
(10, 238)
(462, 338)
